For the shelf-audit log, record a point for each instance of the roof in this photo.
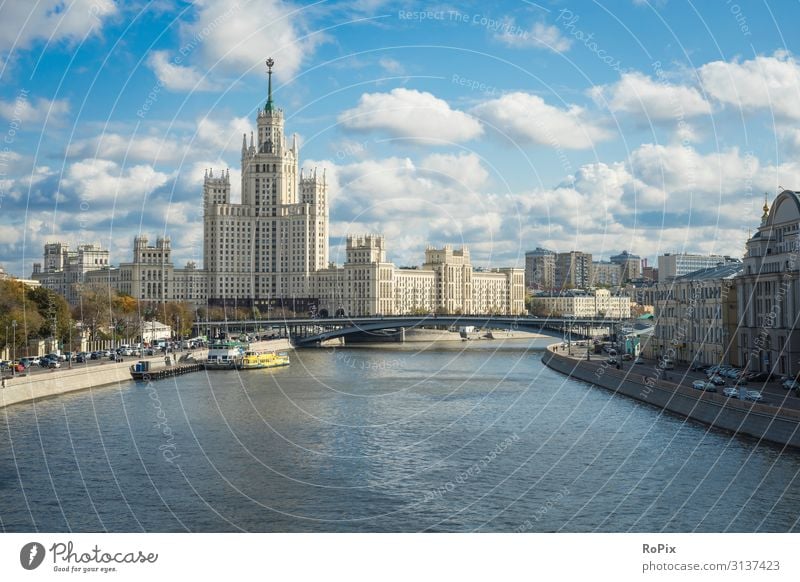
(726, 271)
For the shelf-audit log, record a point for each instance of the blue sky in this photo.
(648, 126)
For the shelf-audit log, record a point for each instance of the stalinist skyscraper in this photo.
(264, 249)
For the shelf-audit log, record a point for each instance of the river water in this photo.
(464, 437)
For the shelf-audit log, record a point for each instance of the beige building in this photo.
(540, 269)
(580, 303)
(605, 273)
(267, 246)
(573, 270)
(693, 318)
(768, 291)
(446, 283)
(65, 270)
(630, 266)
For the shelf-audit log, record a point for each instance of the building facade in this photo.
(65, 270)
(540, 269)
(573, 270)
(768, 291)
(671, 265)
(607, 274)
(580, 303)
(630, 264)
(268, 245)
(367, 284)
(693, 317)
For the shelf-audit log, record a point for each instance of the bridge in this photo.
(312, 331)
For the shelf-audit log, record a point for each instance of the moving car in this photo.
(699, 385)
(717, 380)
(753, 395)
(731, 392)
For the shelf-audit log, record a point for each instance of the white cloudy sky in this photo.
(647, 126)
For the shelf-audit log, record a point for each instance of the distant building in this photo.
(671, 265)
(692, 318)
(573, 270)
(153, 331)
(540, 269)
(581, 303)
(607, 274)
(630, 264)
(367, 284)
(64, 269)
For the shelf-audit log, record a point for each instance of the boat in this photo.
(254, 360)
(225, 355)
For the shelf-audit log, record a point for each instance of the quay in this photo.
(777, 420)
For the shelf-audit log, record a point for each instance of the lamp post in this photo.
(14, 344)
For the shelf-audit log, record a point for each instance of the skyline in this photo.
(495, 128)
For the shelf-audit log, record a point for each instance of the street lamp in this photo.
(14, 344)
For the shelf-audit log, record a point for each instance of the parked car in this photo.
(731, 392)
(753, 395)
(790, 384)
(80, 358)
(52, 363)
(717, 380)
(627, 356)
(95, 355)
(612, 361)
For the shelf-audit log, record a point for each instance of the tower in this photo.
(267, 246)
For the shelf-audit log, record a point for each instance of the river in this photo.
(478, 436)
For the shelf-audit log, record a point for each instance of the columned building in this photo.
(768, 291)
(266, 247)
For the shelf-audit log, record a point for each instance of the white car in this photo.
(753, 395)
(699, 385)
(731, 392)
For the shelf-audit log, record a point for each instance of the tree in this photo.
(94, 311)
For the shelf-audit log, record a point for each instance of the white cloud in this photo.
(768, 83)
(97, 180)
(540, 35)
(223, 136)
(239, 36)
(639, 95)
(52, 21)
(176, 77)
(528, 118)
(24, 110)
(411, 114)
(118, 147)
(464, 169)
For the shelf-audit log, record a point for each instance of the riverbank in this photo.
(773, 422)
(50, 383)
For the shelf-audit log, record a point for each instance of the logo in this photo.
(31, 555)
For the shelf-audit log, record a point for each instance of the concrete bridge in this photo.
(312, 331)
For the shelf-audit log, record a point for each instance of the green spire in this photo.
(269, 106)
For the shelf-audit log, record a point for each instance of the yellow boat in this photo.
(256, 360)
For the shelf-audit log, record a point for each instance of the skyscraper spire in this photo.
(269, 106)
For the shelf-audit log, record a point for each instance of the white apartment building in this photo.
(446, 283)
(671, 265)
(267, 246)
(580, 303)
(65, 270)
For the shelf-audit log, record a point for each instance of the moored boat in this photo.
(225, 355)
(254, 360)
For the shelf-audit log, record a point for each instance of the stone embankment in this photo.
(777, 424)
